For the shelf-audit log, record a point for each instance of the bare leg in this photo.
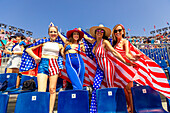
(128, 95)
(42, 82)
(16, 70)
(52, 90)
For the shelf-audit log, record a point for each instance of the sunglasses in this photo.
(115, 31)
(99, 30)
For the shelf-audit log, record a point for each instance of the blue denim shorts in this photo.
(48, 66)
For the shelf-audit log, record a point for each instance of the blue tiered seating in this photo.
(146, 100)
(73, 101)
(33, 102)
(3, 103)
(111, 100)
(11, 78)
(23, 79)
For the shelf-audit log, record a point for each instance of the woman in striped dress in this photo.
(126, 73)
(100, 46)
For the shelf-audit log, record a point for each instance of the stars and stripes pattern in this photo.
(147, 72)
(105, 64)
(150, 73)
(28, 65)
(53, 67)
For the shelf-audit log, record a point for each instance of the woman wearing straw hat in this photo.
(74, 63)
(100, 47)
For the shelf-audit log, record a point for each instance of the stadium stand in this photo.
(4, 103)
(73, 101)
(146, 100)
(38, 102)
(111, 100)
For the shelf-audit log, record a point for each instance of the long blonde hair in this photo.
(114, 38)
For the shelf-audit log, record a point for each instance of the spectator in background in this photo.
(27, 40)
(14, 62)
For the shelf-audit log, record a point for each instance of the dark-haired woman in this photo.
(74, 63)
(105, 67)
(14, 62)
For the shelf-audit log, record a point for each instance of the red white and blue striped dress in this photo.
(105, 64)
(123, 73)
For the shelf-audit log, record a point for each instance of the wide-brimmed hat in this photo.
(107, 30)
(18, 34)
(75, 30)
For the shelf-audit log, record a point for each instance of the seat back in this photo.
(145, 98)
(33, 102)
(10, 77)
(111, 100)
(73, 101)
(4, 102)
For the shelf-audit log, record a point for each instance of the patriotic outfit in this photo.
(105, 69)
(75, 68)
(49, 66)
(123, 73)
(147, 72)
(28, 63)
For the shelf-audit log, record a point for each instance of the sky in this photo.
(36, 15)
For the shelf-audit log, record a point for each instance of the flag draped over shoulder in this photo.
(89, 62)
(28, 65)
(150, 73)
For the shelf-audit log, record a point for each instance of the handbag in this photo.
(4, 85)
(29, 85)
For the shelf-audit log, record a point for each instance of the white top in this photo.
(50, 48)
(17, 48)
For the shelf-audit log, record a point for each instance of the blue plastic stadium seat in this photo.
(3, 103)
(33, 102)
(11, 78)
(146, 100)
(73, 101)
(19, 90)
(111, 100)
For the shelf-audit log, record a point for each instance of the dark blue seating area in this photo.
(11, 78)
(3, 103)
(111, 100)
(156, 53)
(73, 101)
(146, 100)
(33, 102)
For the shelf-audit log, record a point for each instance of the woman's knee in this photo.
(52, 90)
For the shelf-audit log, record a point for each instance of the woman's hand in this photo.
(136, 57)
(37, 59)
(131, 64)
(7, 52)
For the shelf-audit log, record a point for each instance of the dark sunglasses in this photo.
(99, 30)
(115, 31)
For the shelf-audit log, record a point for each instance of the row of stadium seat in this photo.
(109, 100)
(156, 53)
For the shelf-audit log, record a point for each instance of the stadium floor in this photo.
(13, 98)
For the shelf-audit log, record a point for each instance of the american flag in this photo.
(148, 71)
(89, 61)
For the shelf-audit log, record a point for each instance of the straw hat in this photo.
(107, 30)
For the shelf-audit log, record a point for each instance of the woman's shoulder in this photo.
(22, 43)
